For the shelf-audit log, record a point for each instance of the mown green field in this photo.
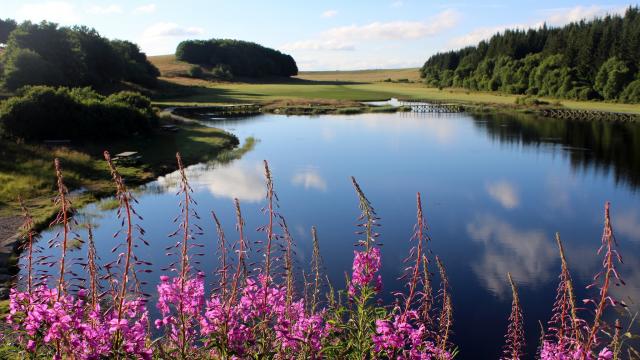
(177, 89)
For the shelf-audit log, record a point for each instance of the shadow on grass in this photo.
(27, 169)
(200, 93)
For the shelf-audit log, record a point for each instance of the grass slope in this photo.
(177, 89)
(28, 169)
(378, 75)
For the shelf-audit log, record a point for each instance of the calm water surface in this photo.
(495, 190)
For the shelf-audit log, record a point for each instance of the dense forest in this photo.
(241, 58)
(46, 54)
(585, 60)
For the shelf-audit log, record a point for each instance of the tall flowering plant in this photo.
(407, 332)
(181, 299)
(261, 314)
(53, 322)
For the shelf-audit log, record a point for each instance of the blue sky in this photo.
(321, 35)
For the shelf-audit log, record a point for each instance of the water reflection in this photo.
(495, 190)
(527, 254)
(243, 181)
(504, 193)
(309, 178)
(602, 145)
(628, 224)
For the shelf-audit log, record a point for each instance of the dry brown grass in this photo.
(169, 66)
(275, 104)
(362, 75)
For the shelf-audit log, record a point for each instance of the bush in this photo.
(530, 101)
(222, 72)
(196, 72)
(26, 67)
(631, 93)
(42, 112)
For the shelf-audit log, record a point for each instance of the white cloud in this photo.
(485, 33)
(145, 9)
(104, 9)
(333, 45)
(397, 4)
(169, 29)
(329, 13)
(563, 16)
(56, 11)
(310, 179)
(553, 17)
(162, 38)
(356, 62)
(504, 193)
(396, 30)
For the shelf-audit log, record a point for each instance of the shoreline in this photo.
(95, 189)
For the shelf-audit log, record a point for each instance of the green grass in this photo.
(364, 85)
(28, 169)
(366, 76)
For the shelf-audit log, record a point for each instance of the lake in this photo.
(495, 189)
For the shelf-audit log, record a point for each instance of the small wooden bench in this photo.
(57, 142)
(127, 157)
(171, 128)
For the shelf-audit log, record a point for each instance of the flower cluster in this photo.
(365, 266)
(180, 304)
(57, 325)
(553, 351)
(237, 325)
(405, 339)
(262, 315)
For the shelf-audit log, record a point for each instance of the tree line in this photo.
(46, 54)
(586, 60)
(241, 58)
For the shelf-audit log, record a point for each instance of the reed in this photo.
(603, 280)
(514, 347)
(445, 321)
(262, 314)
(62, 219)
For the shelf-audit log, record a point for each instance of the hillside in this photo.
(169, 66)
(411, 74)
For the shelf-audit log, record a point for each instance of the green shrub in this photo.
(196, 72)
(42, 112)
(349, 111)
(222, 72)
(530, 101)
(631, 93)
(26, 67)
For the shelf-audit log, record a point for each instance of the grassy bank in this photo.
(28, 169)
(177, 89)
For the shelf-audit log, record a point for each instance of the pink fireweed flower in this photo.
(234, 326)
(404, 339)
(187, 295)
(365, 266)
(64, 325)
(553, 351)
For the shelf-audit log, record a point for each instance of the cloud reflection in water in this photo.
(528, 254)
